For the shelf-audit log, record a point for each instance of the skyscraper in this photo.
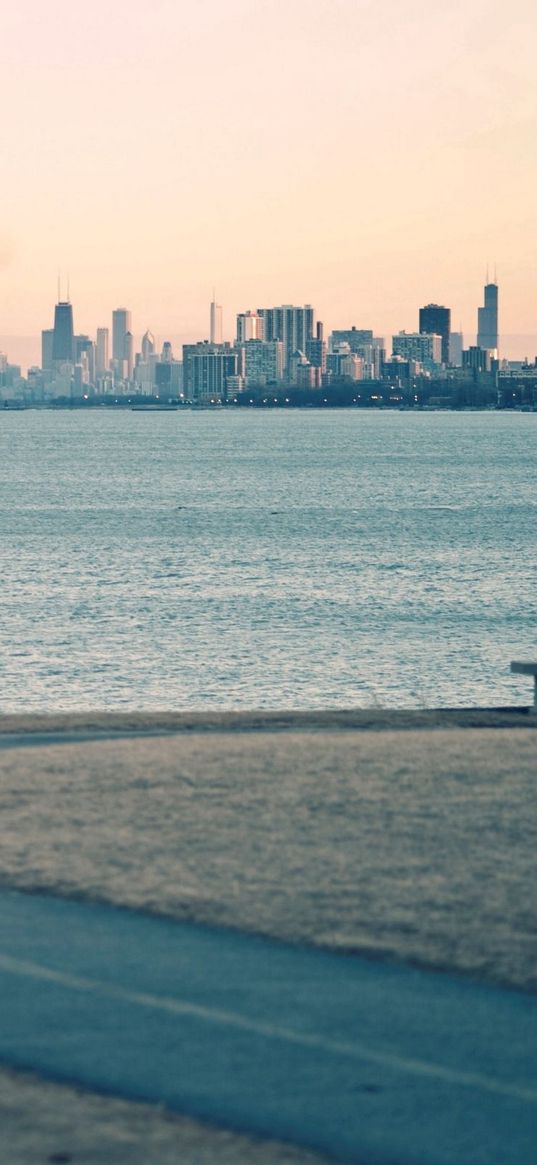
(425, 348)
(436, 321)
(456, 345)
(292, 325)
(361, 342)
(206, 370)
(249, 327)
(316, 349)
(47, 341)
(129, 354)
(84, 353)
(101, 351)
(62, 340)
(487, 320)
(263, 362)
(148, 345)
(354, 337)
(216, 323)
(121, 325)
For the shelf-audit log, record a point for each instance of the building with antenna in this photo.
(487, 320)
(63, 334)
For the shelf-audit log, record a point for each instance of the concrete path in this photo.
(370, 1062)
(46, 1123)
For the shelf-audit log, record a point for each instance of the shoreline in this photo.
(97, 724)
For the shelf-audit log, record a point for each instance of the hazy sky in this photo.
(366, 157)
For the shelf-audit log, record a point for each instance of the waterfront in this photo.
(266, 560)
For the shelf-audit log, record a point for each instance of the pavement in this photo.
(330, 940)
(347, 1057)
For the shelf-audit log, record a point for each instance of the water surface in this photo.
(293, 559)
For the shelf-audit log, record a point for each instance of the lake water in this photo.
(295, 559)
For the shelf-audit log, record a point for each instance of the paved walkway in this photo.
(366, 1061)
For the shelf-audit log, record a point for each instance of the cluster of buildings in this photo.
(275, 349)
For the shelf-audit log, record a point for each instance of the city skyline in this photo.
(368, 158)
(26, 350)
(280, 349)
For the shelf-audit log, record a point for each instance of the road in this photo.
(370, 1062)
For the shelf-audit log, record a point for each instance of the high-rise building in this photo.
(249, 327)
(148, 345)
(435, 320)
(316, 349)
(292, 325)
(207, 369)
(354, 337)
(47, 340)
(101, 351)
(84, 353)
(62, 340)
(361, 342)
(121, 324)
(487, 320)
(456, 345)
(478, 359)
(424, 349)
(215, 321)
(129, 354)
(263, 361)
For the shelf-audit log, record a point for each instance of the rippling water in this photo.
(289, 559)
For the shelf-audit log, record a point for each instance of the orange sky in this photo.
(363, 156)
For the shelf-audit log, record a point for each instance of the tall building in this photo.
(435, 320)
(148, 345)
(354, 337)
(263, 361)
(249, 327)
(424, 349)
(101, 351)
(292, 325)
(84, 353)
(207, 369)
(316, 349)
(361, 342)
(487, 320)
(456, 345)
(63, 337)
(478, 359)
(129, 354)
(216, 334)
(121, 325)
(47, 340)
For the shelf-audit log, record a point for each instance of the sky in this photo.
(365, 157)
